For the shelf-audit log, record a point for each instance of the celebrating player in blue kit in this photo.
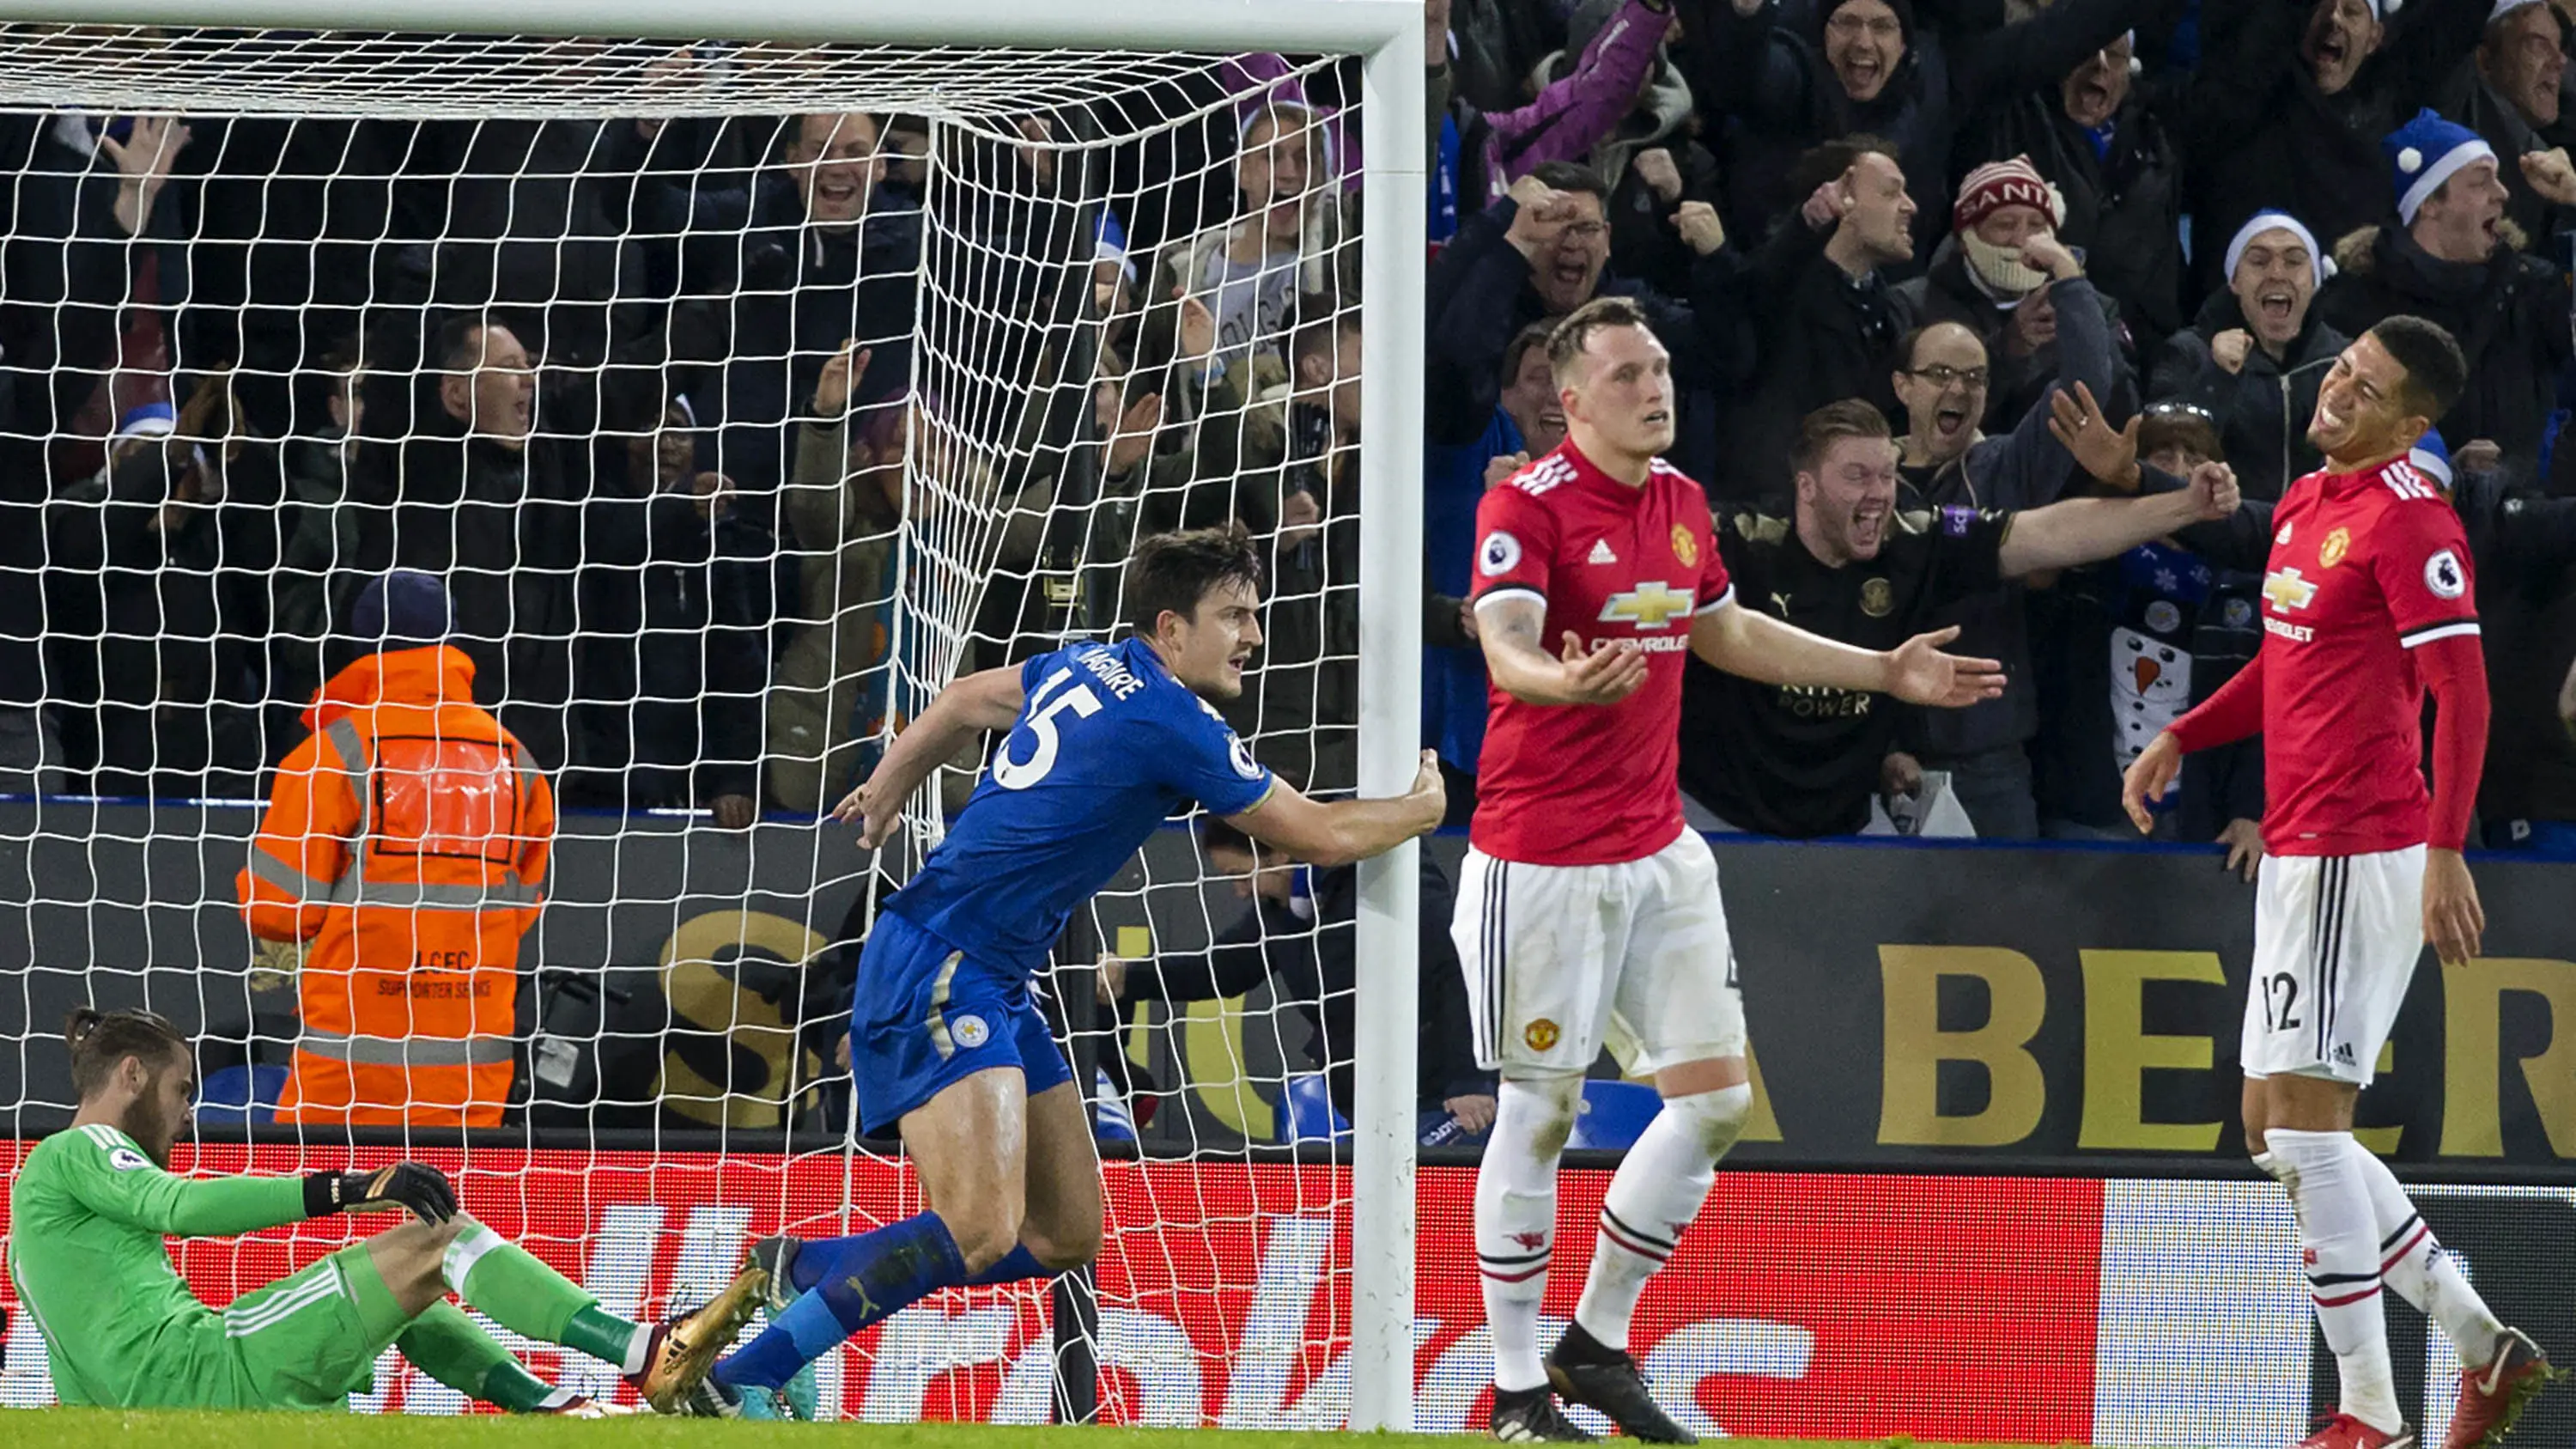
(1105, 742)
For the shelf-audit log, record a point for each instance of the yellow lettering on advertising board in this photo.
(2118, 1051)
(1909, 1113)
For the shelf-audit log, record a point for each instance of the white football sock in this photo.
(2342, 1240)
(1516, 1218)
(1655, 1194)
(2411, 1261)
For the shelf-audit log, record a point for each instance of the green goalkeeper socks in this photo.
(444, 1344)
(527, 1297)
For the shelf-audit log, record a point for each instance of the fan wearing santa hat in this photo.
(2291, 100)
(2451, 258)
(2003, 275)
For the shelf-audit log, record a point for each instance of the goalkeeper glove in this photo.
(422, 1189)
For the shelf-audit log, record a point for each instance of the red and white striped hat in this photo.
(1999, 184)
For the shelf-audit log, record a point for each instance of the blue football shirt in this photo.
(1108, 746)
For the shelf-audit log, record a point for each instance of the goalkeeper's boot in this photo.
(1586, 1371)
(2493, 1395)
(1530, 1416)
(685, 1345)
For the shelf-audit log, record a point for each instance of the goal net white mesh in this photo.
(739, 396)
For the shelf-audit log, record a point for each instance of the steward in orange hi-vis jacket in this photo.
(406, 844)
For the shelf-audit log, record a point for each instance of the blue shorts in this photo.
(927, 1015)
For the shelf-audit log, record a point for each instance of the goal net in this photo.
(730, 398)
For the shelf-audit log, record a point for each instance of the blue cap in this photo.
(2424, 153)
(406, 609)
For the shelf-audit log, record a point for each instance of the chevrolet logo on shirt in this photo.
(2285, 590)
(1648, 606)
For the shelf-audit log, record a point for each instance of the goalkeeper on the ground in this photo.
(92, 1204)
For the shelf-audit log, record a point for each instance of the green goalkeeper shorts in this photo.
(310, 1339)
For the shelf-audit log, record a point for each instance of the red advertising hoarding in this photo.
(1841, 1307)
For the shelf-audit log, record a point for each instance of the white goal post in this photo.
(1388, 35)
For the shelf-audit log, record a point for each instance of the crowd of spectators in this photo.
(653, 397)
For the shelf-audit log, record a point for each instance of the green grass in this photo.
(81, 1428)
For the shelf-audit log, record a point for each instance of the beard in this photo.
(149, 1132)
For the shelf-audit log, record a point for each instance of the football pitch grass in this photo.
(81, 1428)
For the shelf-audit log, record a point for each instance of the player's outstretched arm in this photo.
(119, 1183)
(1341, 831)
(986, 700)
(1774, 651)
(2085, 530)
(1513, 630)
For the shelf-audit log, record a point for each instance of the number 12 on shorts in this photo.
(2280, 1000)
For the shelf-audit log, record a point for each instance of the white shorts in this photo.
(1552, 952)
(2336, 938)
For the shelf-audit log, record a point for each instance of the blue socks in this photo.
(824, 1258)
(1015, 1265)
(857, 1282)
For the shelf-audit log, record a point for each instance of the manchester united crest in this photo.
(2337, 544)
(1686, 545)
(1540, 1034)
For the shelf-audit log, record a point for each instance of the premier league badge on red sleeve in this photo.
(2443, 576)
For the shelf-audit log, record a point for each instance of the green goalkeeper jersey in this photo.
(88, 1218)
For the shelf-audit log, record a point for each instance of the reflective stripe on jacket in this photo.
(406, 845)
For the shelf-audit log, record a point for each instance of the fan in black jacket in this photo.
(2115, 164)
(2254, 356)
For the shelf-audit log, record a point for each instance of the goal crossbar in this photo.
(1352, 26)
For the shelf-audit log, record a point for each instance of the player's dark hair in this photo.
(1573, 334)
(101, 1039)
(1819, 430)
(1173, 571)
(1571, 176)
(2436, 373)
